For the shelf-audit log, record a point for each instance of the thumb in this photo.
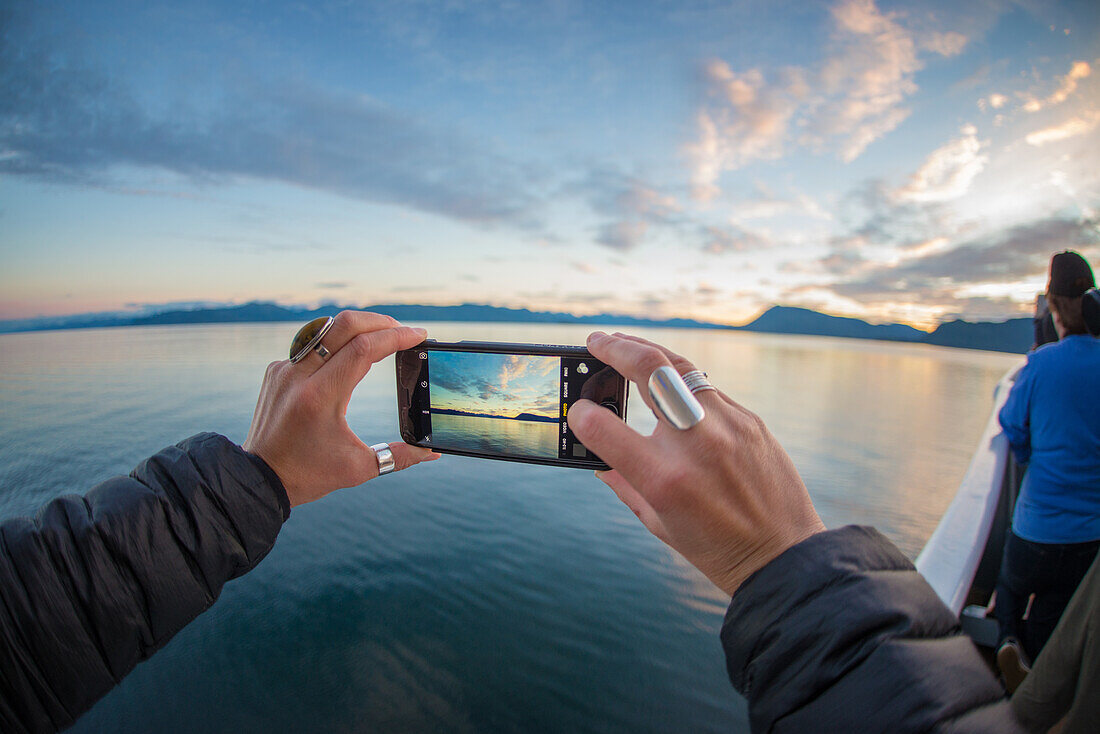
(606, 435)
(405, 456)
(634, 500)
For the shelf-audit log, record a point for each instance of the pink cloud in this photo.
(853, 98)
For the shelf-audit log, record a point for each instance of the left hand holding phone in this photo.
(300, 427)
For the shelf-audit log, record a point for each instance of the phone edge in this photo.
(549, 350)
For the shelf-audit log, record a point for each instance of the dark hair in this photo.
(1069, 313)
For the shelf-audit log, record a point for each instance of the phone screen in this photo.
(508, 405)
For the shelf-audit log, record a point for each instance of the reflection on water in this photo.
(495, 435)
(469, 595)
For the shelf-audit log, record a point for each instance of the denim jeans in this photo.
(1051, 572)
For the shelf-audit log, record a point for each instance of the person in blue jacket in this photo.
(1052, 422)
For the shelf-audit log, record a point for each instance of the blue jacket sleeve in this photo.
(841, 634)
(93, 585)
(1015, 417)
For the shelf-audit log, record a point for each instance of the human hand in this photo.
(723, 493)
(300, 427)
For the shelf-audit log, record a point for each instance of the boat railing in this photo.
(962, 558)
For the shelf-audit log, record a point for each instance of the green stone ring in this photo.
(309, 339)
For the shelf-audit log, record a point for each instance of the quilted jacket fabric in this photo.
(93, 585)
(841, 634)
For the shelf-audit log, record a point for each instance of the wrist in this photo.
(282, 495)
(767, 552)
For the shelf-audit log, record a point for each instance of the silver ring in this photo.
(697, 381)
(314, 343)
(322, 350)
(672, 400)
(386, 464)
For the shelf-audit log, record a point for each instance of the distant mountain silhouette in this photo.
(533, 417)
(258, 311)
(1013, 335)
(518, 417)
(233, 314)
(791, 320)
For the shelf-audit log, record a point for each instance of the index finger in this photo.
(683, 365)
(345, 326)
(633, 360)
(349, 324)
(347, 367)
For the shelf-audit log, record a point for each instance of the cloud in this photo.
(923, 308)
(1067, 85)
(1006, 256)
(765, 204)
(762, 207)
(259, 242)
(854, 97)
(721, 240)
(631, 205)
(448, 376)
(449, 380)
(622, 236)
(978, 78)
(512, 368)
(1071, 128)
(868, 79)
(62, 120)
(1079, 70)
(887, 220)
(334, 285)
(844, 260)
(748, 121)
(947, 173)
(949, 43)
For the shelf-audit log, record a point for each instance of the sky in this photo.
(894, 161)
(495, 384)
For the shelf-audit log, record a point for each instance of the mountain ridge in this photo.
(530, 417)
(1013, 335)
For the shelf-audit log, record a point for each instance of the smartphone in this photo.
(502, 401)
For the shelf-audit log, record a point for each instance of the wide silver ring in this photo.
(697, 381)
(672, 400)
(386, 464)
(314, 343)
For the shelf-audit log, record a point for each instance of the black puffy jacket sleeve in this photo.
(841, 634)
(93, 585)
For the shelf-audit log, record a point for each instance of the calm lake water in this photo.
(470, 595)
(475, 433)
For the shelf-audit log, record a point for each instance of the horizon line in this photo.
(184, 307)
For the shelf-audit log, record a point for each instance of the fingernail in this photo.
(600, 473)
(582, 403)
(420, 330)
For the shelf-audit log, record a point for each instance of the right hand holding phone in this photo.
(723, 493)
